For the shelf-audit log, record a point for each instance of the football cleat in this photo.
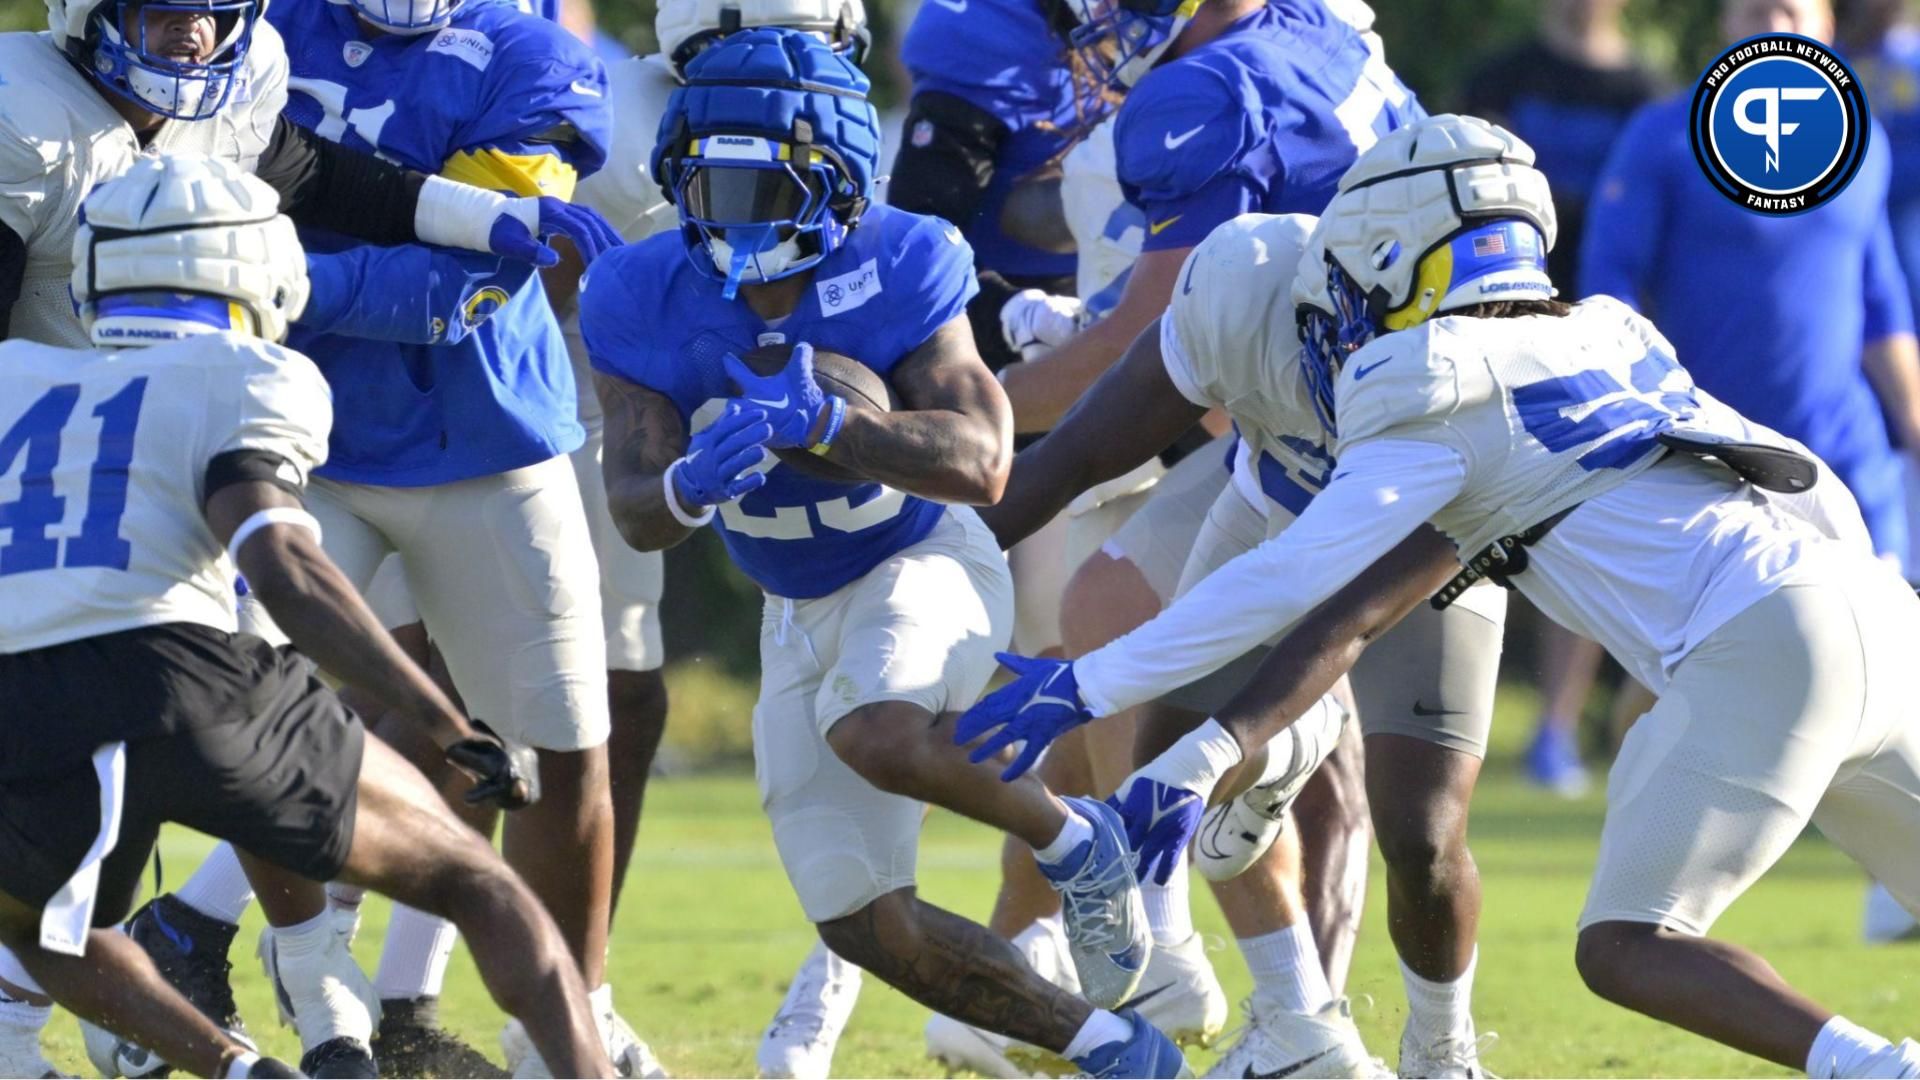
(1449, 1057)
(631, 1056)
(1180, 994)
(1236, 833)
(1276, 1041)
(962, 1046)
(1100, 903)
(1148, 1053)
(190, 950)
(958, 1045)
(799, 1043)
(1885, 919)
(328, 1000)
(411, 1042)
(1553, 762)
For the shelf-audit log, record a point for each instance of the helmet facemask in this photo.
(130, 51)
(1327, 338)
(760, 210)
(408, 17)
(1120, 40)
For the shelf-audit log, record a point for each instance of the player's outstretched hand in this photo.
(512, 236)
(1039, 706)
(507, 776)
(1160, 819)
(791, 398)
(1035, 322)
(721, 458)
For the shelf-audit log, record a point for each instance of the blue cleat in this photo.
(1147, 1053)
(1100, 899)
(1553, 762)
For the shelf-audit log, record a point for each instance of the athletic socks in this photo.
(1101, 1028)
(1286, 969)
(219, 889)
(1169, 907)
(1076, 831)
(414, 962)
(1844, 1048)
(1438, 1009)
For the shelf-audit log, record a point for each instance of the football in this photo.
(835, 374)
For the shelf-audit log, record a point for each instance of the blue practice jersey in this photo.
(444, 365)
(1000, 57)
(1891, 75)
(1264, 118)
(648, 316)
(1768, 313)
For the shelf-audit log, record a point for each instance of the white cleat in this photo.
(799, 1043)
(963, 1046)
(1235, 834)
(327, 999)
(1276, 1042)
(631, 1056)
(20, 1028)
(1448, 1057)
(1885, 919)
(1181, 995)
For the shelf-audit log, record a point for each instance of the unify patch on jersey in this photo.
(471, 46)
(849, 290)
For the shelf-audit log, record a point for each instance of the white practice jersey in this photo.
(1484, 428)
(1107, 231)
(624, 191)
(60, 139)
(103, 455)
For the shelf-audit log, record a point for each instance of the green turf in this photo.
(710, 934)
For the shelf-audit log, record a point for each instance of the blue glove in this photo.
(715, 469)
(1039, 706)
(1160, 820)
(790, 396)
(511, 238)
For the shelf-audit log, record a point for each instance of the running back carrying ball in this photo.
(837, 375)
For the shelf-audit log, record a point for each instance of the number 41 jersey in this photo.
(103, 457)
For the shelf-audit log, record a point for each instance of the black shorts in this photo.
(224, 734)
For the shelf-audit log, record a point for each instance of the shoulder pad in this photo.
(1181, 127)
(1397, 380)
(1232, 307)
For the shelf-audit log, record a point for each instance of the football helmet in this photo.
(685, 27)
(182, 245)
(1121, 40)
(407, 17)
(769, 153)
(1444, 213)
(134, 48)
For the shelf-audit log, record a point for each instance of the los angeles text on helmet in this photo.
(1805, 50)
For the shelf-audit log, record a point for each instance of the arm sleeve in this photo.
(1627, 215)
(1385, 490)
(413, 294)
(324, 185)
(1889, 308)
(13, 268)
(947, 151)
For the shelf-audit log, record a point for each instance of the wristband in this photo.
(691, 521)
(1197, 761)
(457, 215)
(272, 515)
(836, 417)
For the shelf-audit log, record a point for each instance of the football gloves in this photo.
(506, 776)
(790, 398)
(1040, 705)
(720, 458)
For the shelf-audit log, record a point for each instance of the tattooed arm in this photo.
(952, 438)
(644, 435)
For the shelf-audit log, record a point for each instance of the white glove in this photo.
(1035, 322)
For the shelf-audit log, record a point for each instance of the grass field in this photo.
(710, 934)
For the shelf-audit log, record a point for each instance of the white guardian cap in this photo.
(182, 245)
(684, 27)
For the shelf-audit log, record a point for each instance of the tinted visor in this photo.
(742, 194)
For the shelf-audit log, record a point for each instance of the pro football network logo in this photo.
(1779, 124)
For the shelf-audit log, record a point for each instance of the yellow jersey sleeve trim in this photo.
(521, 174)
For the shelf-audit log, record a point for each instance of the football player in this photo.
(801, 1038)
(451, 442)
(883, 605)
(148, 470)
(1563, 448)
(116, 78)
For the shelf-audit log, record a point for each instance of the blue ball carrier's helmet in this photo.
(769, 152)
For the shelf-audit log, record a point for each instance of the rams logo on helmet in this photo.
(481, 305)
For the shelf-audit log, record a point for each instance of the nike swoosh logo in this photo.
(953, 235)
(1420, 709)
(1187, 285)
(1159, 227)
(585, 89)
(1175, 142)
(1289, 1070)
(1362, 372)
(1140, 999)
(1040, 695)
(781, 404)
